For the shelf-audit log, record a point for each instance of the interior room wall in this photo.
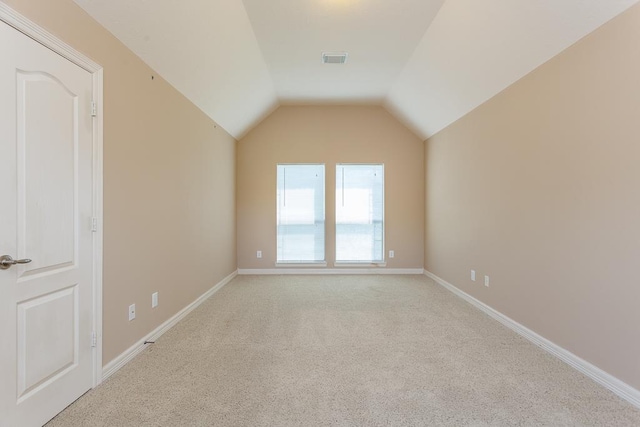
(539, 189)
(330, 135)
(169, 184)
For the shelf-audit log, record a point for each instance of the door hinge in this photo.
(94, 224)
(94, 109)
(94, 339)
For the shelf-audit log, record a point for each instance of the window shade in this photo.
(359, 212)
(300, 213)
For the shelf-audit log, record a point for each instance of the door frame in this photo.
(45, 38)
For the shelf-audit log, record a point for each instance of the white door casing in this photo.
(50, 170)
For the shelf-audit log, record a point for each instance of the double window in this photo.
(359, 214)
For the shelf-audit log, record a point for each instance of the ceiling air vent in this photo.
(334, 57)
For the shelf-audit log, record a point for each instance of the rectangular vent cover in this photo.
(334, 57)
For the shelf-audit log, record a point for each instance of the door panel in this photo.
(46, 309)
(46, 171)
(47, 339)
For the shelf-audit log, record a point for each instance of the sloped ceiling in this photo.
(428, 61)
(205, 48)
(475, 49)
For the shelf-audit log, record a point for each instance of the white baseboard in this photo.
(298, 271)
(124, 358)
(610, 382)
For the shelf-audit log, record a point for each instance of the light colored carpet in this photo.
(344, 351)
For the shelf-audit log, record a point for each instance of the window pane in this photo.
(300, 215)
(359, 212)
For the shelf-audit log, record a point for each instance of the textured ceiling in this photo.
(428, 61)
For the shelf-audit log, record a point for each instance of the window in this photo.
(300, 213)
(359, 213)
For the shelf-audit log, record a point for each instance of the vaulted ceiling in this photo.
(429, 62)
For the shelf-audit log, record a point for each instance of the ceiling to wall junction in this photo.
(429, 62)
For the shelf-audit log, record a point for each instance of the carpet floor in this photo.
(344, 351)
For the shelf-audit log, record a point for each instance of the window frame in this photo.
(364, 263)
(305, 263)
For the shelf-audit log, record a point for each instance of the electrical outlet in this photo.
(486, 281)
(132, 311)
(154, 300)
(259, 254)
(392, 254)
(473, 275)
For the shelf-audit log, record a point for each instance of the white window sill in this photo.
(356, 264)
(298, 264)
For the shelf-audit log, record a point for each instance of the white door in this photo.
(46, 359)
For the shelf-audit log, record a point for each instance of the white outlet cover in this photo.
(154, 300)
(259, 254)
(392, 254)
(132, 311)
(473, 275)
(486, 281)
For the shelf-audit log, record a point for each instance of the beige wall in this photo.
(539, 188)
(330, 135)
(169, 194)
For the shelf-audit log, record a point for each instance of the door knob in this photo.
(6, 261)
